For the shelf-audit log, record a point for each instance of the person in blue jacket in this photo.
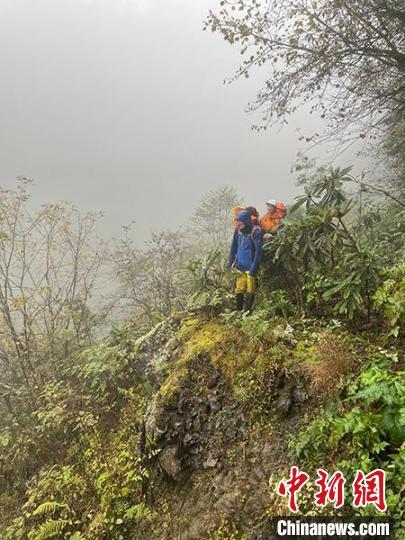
(244, 258)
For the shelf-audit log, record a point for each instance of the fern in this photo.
(48, 507)
(364, 431)
(49, 529)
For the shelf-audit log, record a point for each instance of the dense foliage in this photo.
(337, 259)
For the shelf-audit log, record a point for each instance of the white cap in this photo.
(271, 201)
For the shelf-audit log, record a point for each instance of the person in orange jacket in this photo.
(272, 218)
(270, 221)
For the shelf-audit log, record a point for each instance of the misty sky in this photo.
(119, 106)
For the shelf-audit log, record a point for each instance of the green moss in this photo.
(187, 328)
(204, 339)
(196, 338)
(247, 364)
(169, 388)
(305, 353)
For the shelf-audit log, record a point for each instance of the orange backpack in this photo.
(235, 212)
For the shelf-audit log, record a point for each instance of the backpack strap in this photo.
(254, 229)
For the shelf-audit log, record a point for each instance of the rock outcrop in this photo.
(213, 421)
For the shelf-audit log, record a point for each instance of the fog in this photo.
(120, 106)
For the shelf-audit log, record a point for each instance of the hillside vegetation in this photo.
(186, 430)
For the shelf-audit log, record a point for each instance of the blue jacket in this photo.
(246, 246)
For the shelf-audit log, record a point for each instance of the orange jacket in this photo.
(269, 223)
